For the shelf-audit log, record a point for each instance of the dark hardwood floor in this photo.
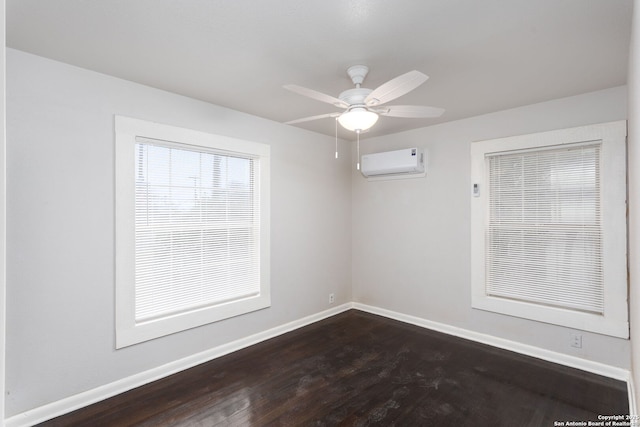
(357, 369)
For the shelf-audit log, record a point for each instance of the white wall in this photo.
(402, 245)
(634, 194)
(411, 238)
(60, 240)
(2, 212)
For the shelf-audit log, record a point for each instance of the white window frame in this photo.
(127, 130)
(614, 321)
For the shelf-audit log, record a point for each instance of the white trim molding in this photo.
(89, 397)
(633, 408)
(142, 273)
(528, 350)
(71, 403)
(608, 225)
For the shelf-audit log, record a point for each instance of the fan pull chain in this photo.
(358, 148)
(336, 137)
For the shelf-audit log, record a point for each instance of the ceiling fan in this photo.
(363, 106)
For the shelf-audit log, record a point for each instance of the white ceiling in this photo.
(481, 56)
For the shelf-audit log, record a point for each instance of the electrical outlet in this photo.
(332, 298)
(576, 340)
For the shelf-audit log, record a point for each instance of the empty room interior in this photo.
(344, 212)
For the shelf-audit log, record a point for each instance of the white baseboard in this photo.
(529, 350)
(633, 408)
(69, 404)
(80, 400)
(540, 353)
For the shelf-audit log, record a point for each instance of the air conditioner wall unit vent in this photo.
(408, 161)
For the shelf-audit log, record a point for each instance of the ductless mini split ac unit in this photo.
(409, 161)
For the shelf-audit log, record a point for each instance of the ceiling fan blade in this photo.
(308, 119)
(395, 88)
(318, 96)
(409, 111)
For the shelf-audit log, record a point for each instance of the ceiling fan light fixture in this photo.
(358, 118)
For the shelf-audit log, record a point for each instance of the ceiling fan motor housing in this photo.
(355, 96)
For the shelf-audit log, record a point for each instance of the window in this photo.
(549, 227)
(192, 231)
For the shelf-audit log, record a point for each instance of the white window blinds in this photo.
(544, 236)
(197, 228)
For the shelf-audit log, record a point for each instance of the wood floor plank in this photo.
(358, 369)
